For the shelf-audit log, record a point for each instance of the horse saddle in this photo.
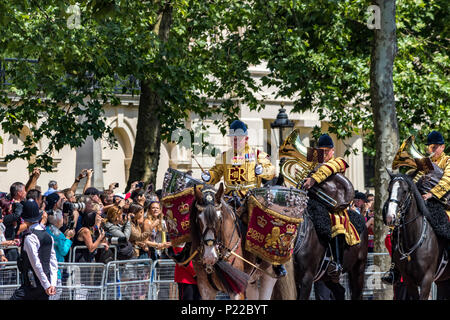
(336, 192)
(429, 180)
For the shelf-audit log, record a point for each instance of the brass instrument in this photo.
(297, 154)
(409, 156)
(420, 166)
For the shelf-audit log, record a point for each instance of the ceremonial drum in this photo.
(274, 217)
(177, 198)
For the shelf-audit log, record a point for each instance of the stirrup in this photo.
(390, 277)
(334, 270)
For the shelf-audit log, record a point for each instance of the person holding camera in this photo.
(138, 237)
(91, 235)
(118, 230)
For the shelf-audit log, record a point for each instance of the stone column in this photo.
(89, 156)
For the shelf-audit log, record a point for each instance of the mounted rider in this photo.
(340, 232)
(242, 168)
(435, 147)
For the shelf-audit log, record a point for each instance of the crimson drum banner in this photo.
(176, 209)
(271, 235)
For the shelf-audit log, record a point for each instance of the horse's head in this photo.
(209, 219)
(400, 194)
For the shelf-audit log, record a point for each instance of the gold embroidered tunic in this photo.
(340, 221)
(443, 186)
(238, 170)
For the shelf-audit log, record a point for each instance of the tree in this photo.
(384, 51)
(175, 49)
(47, 80)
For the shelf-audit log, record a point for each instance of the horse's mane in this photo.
(417, 196)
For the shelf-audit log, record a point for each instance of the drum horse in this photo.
(311, 252)
(217, 238)
(418, 251)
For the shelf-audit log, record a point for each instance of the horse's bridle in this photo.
(209, 196)
(402, 208)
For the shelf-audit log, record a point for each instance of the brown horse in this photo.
(416, 250)
(214, 235)
(310, 260)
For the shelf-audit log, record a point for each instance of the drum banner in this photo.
(176, 210)
(271, 235)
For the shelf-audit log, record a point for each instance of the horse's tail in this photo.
(234, 280)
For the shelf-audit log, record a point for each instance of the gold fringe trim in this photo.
(254, 202)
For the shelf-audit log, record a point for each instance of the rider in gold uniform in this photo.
(435, 143)
(242, 168)
(436, 146)
(339, 232)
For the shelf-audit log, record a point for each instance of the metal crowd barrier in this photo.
(128, 280)
(73, 251)
(163, 286)
(9, 279)
(80, 281)
(147, 280)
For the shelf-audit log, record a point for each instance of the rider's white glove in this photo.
(258, 169)
(206, 176)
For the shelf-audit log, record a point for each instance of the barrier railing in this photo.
(73, 251)
(145, 279)
(128, 280)
(9, 279)
(81, 281)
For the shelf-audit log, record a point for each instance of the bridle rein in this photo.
(399, 224)
(223, 249)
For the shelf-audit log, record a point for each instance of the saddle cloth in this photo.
(270, 234)
(341, 224)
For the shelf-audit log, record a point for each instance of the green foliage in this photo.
(317, 52)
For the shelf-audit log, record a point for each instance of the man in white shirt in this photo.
(37, 262)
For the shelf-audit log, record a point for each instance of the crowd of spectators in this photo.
(94, 219)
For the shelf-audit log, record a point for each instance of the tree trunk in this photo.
(144, 164)
(385, 120)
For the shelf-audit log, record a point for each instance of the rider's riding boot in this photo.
(337, 247)
(280, 270)
(391, 276)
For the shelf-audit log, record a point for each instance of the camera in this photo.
(69, 207)
(115, 240)
(140, 185)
